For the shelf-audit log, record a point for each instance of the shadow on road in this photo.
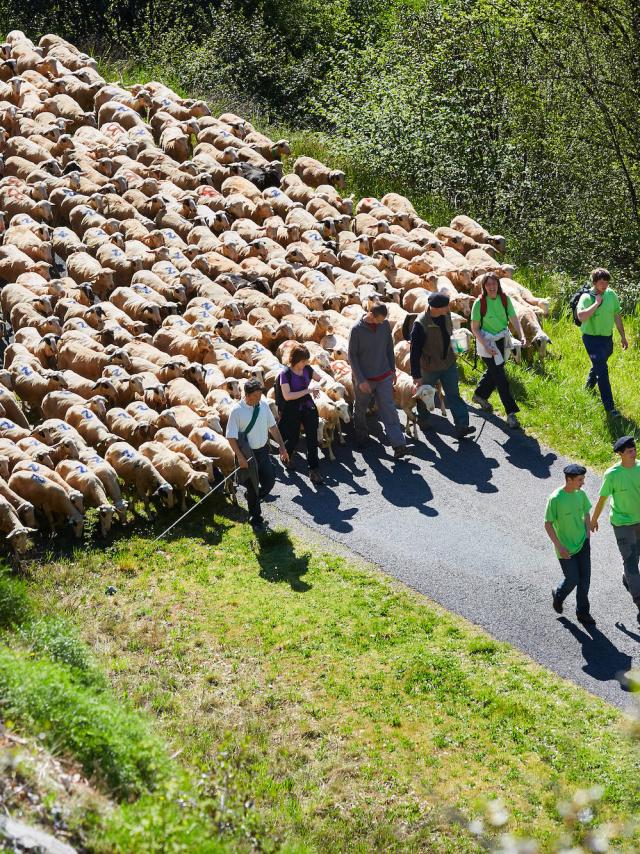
(323, 504)
(278, 561)
(524, 452)
(625, 631)
(464, 463)
(403, 485)
(604, 661)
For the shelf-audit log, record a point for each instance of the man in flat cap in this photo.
(567, 523)
(373, 366)
(433, 358)
(622, 484)
(250, 423)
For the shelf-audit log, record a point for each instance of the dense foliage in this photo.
(521, 112)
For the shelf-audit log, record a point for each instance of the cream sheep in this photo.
(48, 497)
(140, 476)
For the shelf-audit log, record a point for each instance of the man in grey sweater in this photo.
(374, 374)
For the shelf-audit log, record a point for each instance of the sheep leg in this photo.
(443, 408)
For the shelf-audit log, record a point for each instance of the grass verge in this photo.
(319, 707)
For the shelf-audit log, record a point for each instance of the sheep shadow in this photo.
(279, 562)
(603, 660)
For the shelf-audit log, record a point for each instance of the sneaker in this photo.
(585, 619)
(399, 452)
(512, 421)
(465, 432)
(557, 602)
(482, 403)
(315, 476)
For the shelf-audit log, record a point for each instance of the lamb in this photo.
(139, 474)
(49, 497)
(405, 399)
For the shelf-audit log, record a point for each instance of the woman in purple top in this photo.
(296, 406)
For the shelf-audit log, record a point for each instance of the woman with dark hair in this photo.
(295, 403)
(491, 315)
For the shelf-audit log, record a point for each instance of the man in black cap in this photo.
(250, 423)
(622, 484)
(566, 521)
(432, 359)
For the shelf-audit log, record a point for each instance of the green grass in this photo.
(316, 706)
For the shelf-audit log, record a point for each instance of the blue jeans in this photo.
(449, 380)
(628, 539)
(599, 348)
(577, 573)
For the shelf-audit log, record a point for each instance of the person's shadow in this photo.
(625, 631)
(279, 562)
(524, 452)
(402, 486)
(604, 661)
(464, 464)
(322, 504)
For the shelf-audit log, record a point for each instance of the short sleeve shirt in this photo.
(566, 512)
(239, 419)
(602, 320)
(496, 319)
(622, 485)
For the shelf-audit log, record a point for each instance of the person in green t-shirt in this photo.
(598, 311)
(491, 315)
(566, 522)
(622, 484)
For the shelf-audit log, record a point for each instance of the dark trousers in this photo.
(266, 478)
(495, 377)
(290, 420)
(577, 573)
(628, 539)
(599, 348)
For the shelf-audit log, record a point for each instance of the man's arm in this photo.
(418, 339)
(275, 434)
(562, 550)
(353, 357)
(620, 327)
(597, 510)
(390, 354)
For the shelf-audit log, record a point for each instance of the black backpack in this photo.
(574, 300)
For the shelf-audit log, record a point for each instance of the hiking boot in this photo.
(482, 403)
(315, 476)
(465, 432)
(512, 421)
(585, 619)
(557, 602)
(399, 452)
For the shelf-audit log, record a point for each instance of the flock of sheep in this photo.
(152, 258)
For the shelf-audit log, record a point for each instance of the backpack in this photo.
(574, 300)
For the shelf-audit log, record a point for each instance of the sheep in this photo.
(12, 408)
(108, 478)
(16, 535)
(32, 386)
(124, 425)
(80, 477)
(175, 441)
(315, 173)
(50, 474)
(176, 470)
(49, 497)
(139, 474)
(476, 232)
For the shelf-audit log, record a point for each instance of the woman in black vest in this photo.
(296, 406)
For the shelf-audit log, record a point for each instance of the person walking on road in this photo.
(432, 358)
(567, 524)
(491, 315)
(295, 403)
(622, 484)
(250, 424)
(373, 366)
(598, 310)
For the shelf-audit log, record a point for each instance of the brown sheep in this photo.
(139, 474)
(48, 497)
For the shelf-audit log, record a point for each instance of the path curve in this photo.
(463, 524)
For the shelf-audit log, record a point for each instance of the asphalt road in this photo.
(463, 524)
